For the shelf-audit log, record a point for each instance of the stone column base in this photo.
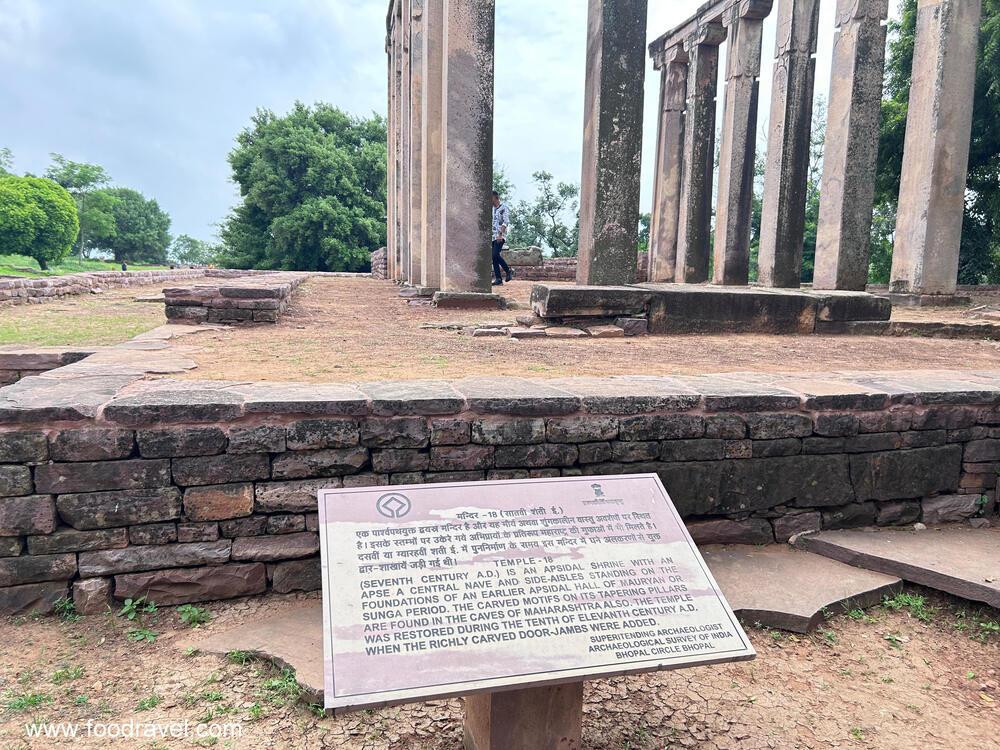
(545, 718)
(899, 299)
(468, 301)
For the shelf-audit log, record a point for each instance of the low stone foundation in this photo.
(33, 291)
(20, 362)
(246, 300)
(380, 264)
(111, 485)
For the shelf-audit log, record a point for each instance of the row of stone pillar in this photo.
(931, 201)
(440, 143)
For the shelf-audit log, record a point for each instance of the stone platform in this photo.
(955, 559)
(702, 308)
(261, 298)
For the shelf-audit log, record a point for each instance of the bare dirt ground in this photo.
(917, 674)
(360, 329)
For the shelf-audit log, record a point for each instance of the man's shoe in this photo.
(510, 274)
(497, 282)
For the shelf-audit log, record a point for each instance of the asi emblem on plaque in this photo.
(448, 589)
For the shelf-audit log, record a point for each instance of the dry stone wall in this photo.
(34, 291)
(190, 491)
(246, 300)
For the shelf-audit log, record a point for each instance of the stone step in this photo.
(957, 560)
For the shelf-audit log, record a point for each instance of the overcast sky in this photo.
(156, 90)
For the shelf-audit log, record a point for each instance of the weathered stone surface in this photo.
(408, 477)
(561, 301)
(321, 463)
(873, 442)
(15, 480)
(260, 439)
(194, 584)
(290, 497)
(516, 397)
(594, 453)
(635, 451)
(91, 444)
(633, 326)
(21, 447)
(672, 427)
(535, 456)
(691, 308)
(405, 432)
(365, 480)
(98, 476)
(275, 548)
(154, 533)
(836, 425)
(297, 575)
(180, 405)
(629, 395)
(71, 540)
(322, 433)
(219, 502)
(691, 450)
(605, 332)
(944, 508)
(467, 301)
(92, 596)
(901, 475)
(982, 450)
(197, 532)
(326, 399)
(139, 558)
(726, 531)
(285, 523)
(181, 441)
(32, 598)
(221, 469)
(787, 526)
(393, 460)
(405, 397)
(774, 448)
(462, 457)
(581, 429)
(774, 426)
(725, 426)
(15, 571)
(10, 546)
(508, 431)
(900, 513)
(32, 514)
(849, 516)
(450, 431)
(106, 509)
(800, 481)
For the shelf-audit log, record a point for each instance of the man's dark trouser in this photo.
(498, 261)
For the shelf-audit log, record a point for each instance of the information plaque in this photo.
(438, 590)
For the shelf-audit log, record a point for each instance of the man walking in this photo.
(501, 223)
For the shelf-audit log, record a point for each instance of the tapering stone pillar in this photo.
(612, 142)
(745, 24)
(390, 166)
(847, 191)
(695, 219)
(673, 66)
(416, 8)
(431, 138)
(404, 155)
(398, 151)
(936, 155)
(786, 177)
(468, 145)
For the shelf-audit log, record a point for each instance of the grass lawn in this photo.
(22, 265)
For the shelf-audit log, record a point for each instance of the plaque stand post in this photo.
(542, 718)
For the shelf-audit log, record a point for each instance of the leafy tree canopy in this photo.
(544, 220)
(187, 250)
(82, 180)
(6, 161)
(313, 189)
(140, 231)
(37, 218)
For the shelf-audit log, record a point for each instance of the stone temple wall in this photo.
(195, 490)
(32, 291)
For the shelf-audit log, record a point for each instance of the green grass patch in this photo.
(22, 265)
(88, 321)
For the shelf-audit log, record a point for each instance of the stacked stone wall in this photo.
(35, 291)
(196, 491)
(380, 264)
(247, 300)
(564, 269)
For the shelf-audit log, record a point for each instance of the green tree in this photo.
(313, 191)
(187, 250)
(502, 183)
(37, 218)
(543, 221)
(979, 260)
(81, 180)
(140, 231)
(644, 223)
(6, 161)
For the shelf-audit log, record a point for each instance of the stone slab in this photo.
(562, 301)
(955, 559)
(782, 587)
(467, 301)
(692, 308)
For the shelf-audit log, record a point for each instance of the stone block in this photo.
(404, 432)
(523, 256)
(903, 475)
(982, 450)
(154, 557)
(594, 453)
(726, 531)
(775, 426)
(922, 438)
(260, 439)
(858, 306)
(225, 469)
(412, 397)
(814, 445)
(197, 532)
(461, 458)
(101, 476)
(249, 526)
(219, 502)
(516, 397)
(897, 513)
(395, 460)
(71, 540)
(849, 516)
(581, 429)
(836, 425)
(312, 521)
(885, 421)
(181, 586)
(92, 596)
(32, 598)
(508, 432)
(535, 456)
(725, 426)
(635, 451)
(100, 510)
(321, 463)
(91, 444)
(312, 434)
(605, 332)
(177, 442)
(949, 508)
(565, 332)
(285, 523)
(291, 497)
(297, 575)
(873, 442)
(798, 481)
(366, 480)
(738, 449)
(10, 546)
(944, 418)
(787, 526)
(186, 405)
(437, 477)
(526, 333)
(670, 427)
(153, 533)
(506, 475)
(408, 477)
(467, 301)
(23, 447)
(15, 571)
(691, 308)
(31, 514)
(565, 301)
(276, 548)
(692, 450)
(15, 480)
(450, 431)
(633, 326)
(773, 448)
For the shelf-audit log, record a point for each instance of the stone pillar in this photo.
(936, 154)
(669, 164)
(847, 191)
(468, 145)
(398, 155)
(786, 178)
(612, 142)
(745, 24)
(415, 272)
(433, 56)
(390, 166)
(544, 718)
(404, 157)
(695, 219)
